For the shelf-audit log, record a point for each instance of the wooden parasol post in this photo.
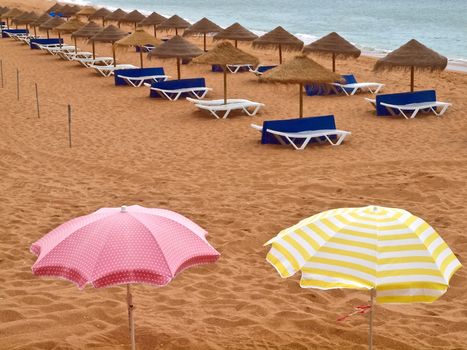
(204, 41)
(301, 100)
(113, 54)
(59, 39)
(17, 84)
(129, 300)
(93, 50)
(370, 320)
(35, 32)
(178, 68)
(103, 21)
(236, 43)
(333, 62)
(37, 101)
(225, 84)
(176, 31)
(280, 54)
(412, 78)
(69, 125)
(76, 45)
(141, 55)
(155, 31)
(48, 37)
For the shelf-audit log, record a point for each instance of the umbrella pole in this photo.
(412, 75)
(176, 31)
(48, 34)
(236, 43)
(76, 45)
(35, 32)
(155, 31)
(301, 100)
(280, 54)
(333, 62)
(103, 21)
(113, 54)
(370, 335)
(131, 321)
(205, 43)
(178, 68)
(93, 50)
(225, 84)
(59, 40)
(141, 55)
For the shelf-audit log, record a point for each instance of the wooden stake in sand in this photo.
(17, 84)
(37, 101)
(69, 124)
(1, 71)
(129, 300)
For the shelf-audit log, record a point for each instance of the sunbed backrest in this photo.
(263, 69)
(13, 31)
(33, 43)
(349, 78)
(177, 84)
(136, 72)
(403, 98)
(326, 122)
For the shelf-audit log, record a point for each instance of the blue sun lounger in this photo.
(349, 86)
(6, 32)
(174, 89)
(232, 68)
(137, 76)
(33, 43)
(300, 132)
(413, 102)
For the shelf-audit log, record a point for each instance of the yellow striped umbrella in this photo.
(392, 253)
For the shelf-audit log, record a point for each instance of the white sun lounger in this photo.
(234, 68)
(88, 62)
(138, 81)
(217, 107)
(374, 88)
(417, 107)
(306, 136)
(107, 71)
(44, 47)
(197, 92)
(80, 54)
(64, 48)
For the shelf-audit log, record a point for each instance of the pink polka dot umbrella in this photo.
(124, 245)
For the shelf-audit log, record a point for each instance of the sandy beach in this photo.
(130, 149)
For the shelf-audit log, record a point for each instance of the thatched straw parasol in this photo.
(133, 17)
(204, 26)
(116, 16)
(44, 18)
(335, 45)
(224, 54)
(100, 14)
(26, 19)
(280, 39)
(237, 33)
(11, 14)
(110, 34)
(55, 8)
(178, 48)
(410, 56)
(70, 26)
(68, 10)
(139, 38)
(300, 70)
(51, 24)
(87, 32)
(175, 22)
(86, 11)
(154, 19)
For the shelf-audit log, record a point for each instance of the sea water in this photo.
(375, 26)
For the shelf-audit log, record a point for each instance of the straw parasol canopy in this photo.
(224, 54)
(133, 17)
(116, 16)
(86, 11)
(154, 19)
(109, 34)
(203, 27)
(51, 24)
(11, 14)
(410, 56)
(178, 48)
(280, 39)
(54, 8)
(175, 22)
(69, 27)
(87, 32)
(100, 14)
(237, 33)
(335, 45)
(26, 18)
(68, 10)
(4, 10)
(44, 18)
(300, 70)
(138, 38)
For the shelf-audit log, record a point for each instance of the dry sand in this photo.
(129, 149)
